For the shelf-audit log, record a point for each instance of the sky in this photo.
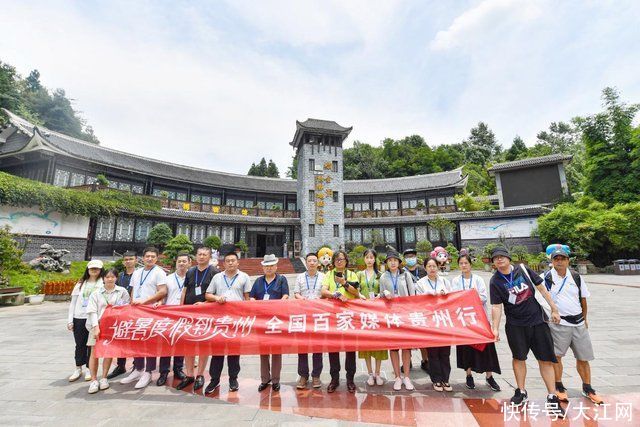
(220, 84)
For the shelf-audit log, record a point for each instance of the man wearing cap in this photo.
(148, 286)
(417, 272)
(514, 287)
(226, 286)
(569, 292)
(124, 279)
(271, 286)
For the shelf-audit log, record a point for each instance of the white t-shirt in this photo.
(566, 297)
(426, 286)
(175, 284)
(232, 288)
(476, 282)
(309, 287)
(80, 299)
(100, 299)
(144, 283)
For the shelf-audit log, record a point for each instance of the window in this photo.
(421, 233)
(183, 229)
(124, 230)
(312, 230)
(434, 234)
(433, 202)
(450, 201)
(113, 184)
(124, 186)
(356, 235)
(409, 203)
(91, 179)
(409, 234)
(213, 230)
(312, 165)
(76, 179)
(216, 200)
(142, 230)
(291, 206)
(336, 230)
(138, 189)
(334, 166)
(196, 198)
(227, 235)
(198, 233)
(104, 229)
(390, 235)
(312, 196)
(181, 196)
(440, 201)
(366, 235)
(449, 233)
(230, 202)
(61, 178)
(335, 196)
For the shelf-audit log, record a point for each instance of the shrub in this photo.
(180, 243)
(159, 235)
(423, 247)
(212, 242)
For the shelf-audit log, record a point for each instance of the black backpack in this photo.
(548, 282)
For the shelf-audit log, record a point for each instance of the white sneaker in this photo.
(379, 380)
(371, 381)
(104, 383)
(87, 376)
(397, 384)
(144, 380)
(408, 384)
(76, 374)
(133, 376)
(94, 387)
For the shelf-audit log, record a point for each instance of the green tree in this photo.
(610, 143)
(272, 170)
(518, 150)
(10, 252)
(159, 235)
(292, 171)
(177, 244)
(481, 146)
(444, 226)
(362, 161)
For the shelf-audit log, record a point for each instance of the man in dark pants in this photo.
(129, 261)
(229, 285)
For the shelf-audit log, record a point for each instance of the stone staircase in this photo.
(252, 266)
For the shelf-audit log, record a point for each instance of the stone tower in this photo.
(318, 145)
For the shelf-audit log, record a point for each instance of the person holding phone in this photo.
(341, 284)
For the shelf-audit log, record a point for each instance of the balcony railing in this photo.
(227, 210)
(379, 213)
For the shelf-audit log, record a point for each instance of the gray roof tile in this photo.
(530, 162)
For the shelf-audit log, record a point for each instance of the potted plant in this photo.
(241, 246)
(519, 254)
(486, 255)
(37, 297)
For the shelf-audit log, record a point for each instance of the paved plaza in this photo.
(36, 357)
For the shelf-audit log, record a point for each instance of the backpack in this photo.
(548, 283)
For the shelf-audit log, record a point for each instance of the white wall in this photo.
(34, 222)
(496, 228)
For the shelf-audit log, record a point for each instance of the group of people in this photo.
(512, 288)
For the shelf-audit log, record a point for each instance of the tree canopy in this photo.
(52, 109)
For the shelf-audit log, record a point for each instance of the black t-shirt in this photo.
(417, 274)
(124, 280)
(195, 290)
(517, 295)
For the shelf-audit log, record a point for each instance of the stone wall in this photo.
(533, 244)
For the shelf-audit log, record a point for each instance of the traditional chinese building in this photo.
(282, 216)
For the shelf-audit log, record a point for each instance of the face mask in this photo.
(411, 261)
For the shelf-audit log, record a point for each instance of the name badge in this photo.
(266, 297)
(512, 299)
(372, 295)
(198, 290)
(85, 302)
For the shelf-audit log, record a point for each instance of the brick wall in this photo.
(76, 247)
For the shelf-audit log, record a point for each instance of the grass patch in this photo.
(31, 279)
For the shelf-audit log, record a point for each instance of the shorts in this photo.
(577, 337)
(535, 338)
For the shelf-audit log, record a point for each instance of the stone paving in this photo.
(36, 357)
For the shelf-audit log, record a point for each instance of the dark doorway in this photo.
(261, 245)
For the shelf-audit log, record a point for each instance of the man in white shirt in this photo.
(148, 286)
(569, 292)
(309, 286)
(228, 285)
(175, 283)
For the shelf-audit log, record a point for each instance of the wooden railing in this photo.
(379, 213)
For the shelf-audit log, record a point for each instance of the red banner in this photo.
(294, 326)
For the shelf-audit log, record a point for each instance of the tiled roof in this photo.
(118, 159)
(530, 162)
(323, 125)
(453, 178)
(499, 213)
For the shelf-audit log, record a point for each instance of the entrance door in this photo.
(261, 245)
